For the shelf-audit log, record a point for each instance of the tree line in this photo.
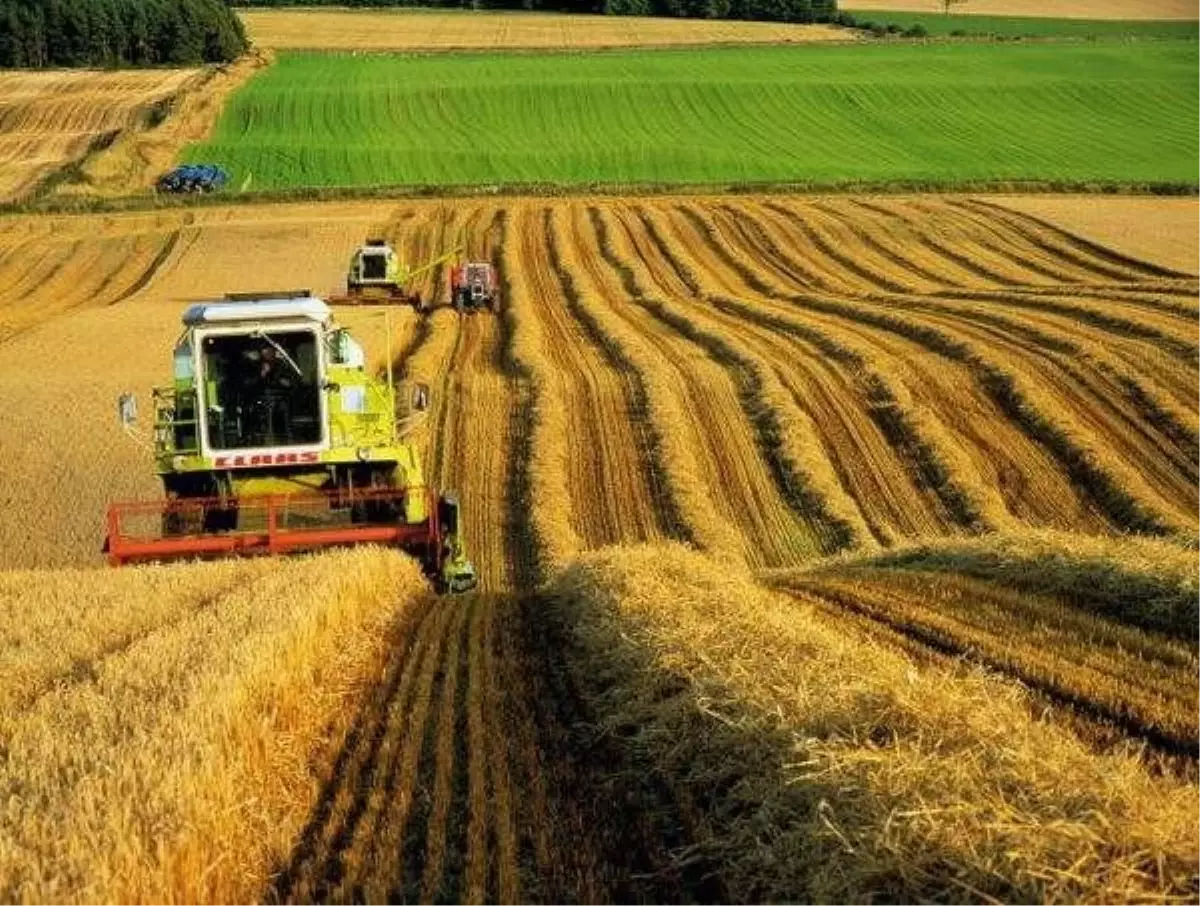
(100, 33)
(39, 33)
(772, 10)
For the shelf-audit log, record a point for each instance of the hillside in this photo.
(52, 120)
(814, 114)
(823, 430)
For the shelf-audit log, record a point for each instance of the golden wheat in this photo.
(886, 409)
(425, 30)
(171, 756)
(767, 378)
(50, 119)
(856, 772)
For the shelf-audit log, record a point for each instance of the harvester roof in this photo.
(267, 308)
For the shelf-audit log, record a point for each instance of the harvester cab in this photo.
(375, 267)
(274, 437)
(473, 286)
(377, 276)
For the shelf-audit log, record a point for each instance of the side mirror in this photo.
(420, 397)
(127, 409)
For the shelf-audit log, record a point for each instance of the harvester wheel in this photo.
(178, 522)
(375, 511)
(221, 518)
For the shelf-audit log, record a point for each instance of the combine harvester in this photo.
(274, 438)
(377, 276)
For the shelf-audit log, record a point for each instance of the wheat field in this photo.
(770, 378)
(423, 30)
(165, 730)
(806, 525)
(51, 119)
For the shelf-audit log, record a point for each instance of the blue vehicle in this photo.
(195, 178)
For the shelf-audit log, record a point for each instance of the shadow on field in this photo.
(316, 866)
(699, 794)
(474, 771)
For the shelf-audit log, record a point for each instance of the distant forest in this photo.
(772, 10)
(38, 33)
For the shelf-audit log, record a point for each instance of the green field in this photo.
(940, 25)
(937, 113)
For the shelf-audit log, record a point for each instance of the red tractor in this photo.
(474, 285)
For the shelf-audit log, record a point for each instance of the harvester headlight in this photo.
(364, 453)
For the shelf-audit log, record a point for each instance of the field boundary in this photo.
(97, 205)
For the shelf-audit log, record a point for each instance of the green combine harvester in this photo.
(377, 276)
(274, 437)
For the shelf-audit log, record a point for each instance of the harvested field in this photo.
(1066, 9)
(845, 771)
(466, 777)
(1159, 230)
(1100, 627)
(206, 699)
(132, 163)
(770, 378)
(50, 120)
(908, 439)
(314, 29)
(366, 741)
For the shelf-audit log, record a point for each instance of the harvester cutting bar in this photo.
(206, 527)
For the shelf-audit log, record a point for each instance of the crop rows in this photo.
(788, 414)
(768, 380)
(51, 119)
(1110, 112)
(461, 778)
(816, 761)
(774, 381)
